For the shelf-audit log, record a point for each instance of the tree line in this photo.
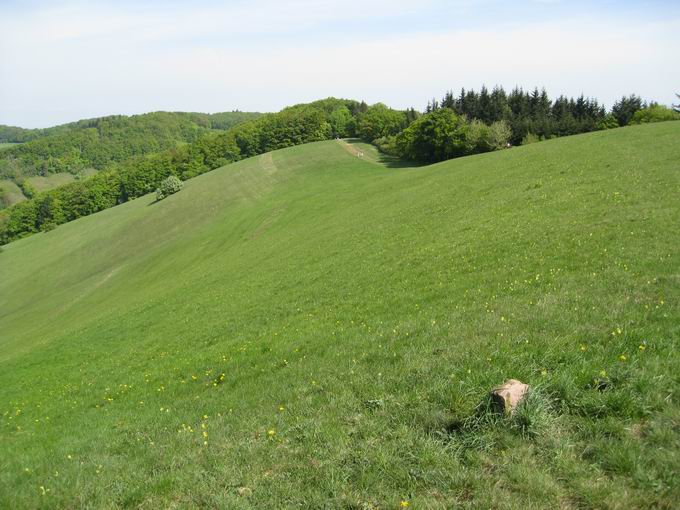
(533, 115)
(472, 122)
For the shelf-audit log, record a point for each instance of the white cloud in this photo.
(72, 62)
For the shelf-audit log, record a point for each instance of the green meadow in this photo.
(10, 193)
(310, 328)
(52, 181)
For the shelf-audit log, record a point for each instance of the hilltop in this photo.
(308, 327)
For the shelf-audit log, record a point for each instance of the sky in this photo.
(61, 61)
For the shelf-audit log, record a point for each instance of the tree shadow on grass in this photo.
(395, 162)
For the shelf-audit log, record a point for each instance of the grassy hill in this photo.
(310, 328)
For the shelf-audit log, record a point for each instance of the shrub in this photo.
(499, 135)
(654, 113)
(477, 137)
(387, 145)
(27, 189)
(530, 138)
(168, 186)
(608, 122)
(484, 138)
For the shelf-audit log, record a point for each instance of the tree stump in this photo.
(505, 398)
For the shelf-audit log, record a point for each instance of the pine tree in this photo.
(460, 104)
(411, 115)
(624, 109)
(432, 106)
(448, 101)
(484, 112)
(499, 104)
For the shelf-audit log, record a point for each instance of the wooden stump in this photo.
(505, 398)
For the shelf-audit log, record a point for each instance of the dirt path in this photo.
(370, 153)
(349, 147)
(360, 152)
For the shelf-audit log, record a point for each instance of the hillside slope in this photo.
(309, 328)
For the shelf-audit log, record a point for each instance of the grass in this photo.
(4, 146)
(10, 193)
(41, 183)
(52, 181)
(13, 194)
(371, 153)
(311, 329)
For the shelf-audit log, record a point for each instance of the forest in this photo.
(96, 143)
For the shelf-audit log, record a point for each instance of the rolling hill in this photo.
(309, 328)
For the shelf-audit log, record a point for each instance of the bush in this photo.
(608, 122)
(484, 138)
(530, 138)
(168, 186)
(654, 113)
(27, 189)
(499, 135)
(387, 145)
(477, 137)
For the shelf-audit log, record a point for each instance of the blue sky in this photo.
(65, 60)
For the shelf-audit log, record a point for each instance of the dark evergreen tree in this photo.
(411, 115)
(448, 101)
(484, 110)
(624, 109)
(499, 104)
(528, 112)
